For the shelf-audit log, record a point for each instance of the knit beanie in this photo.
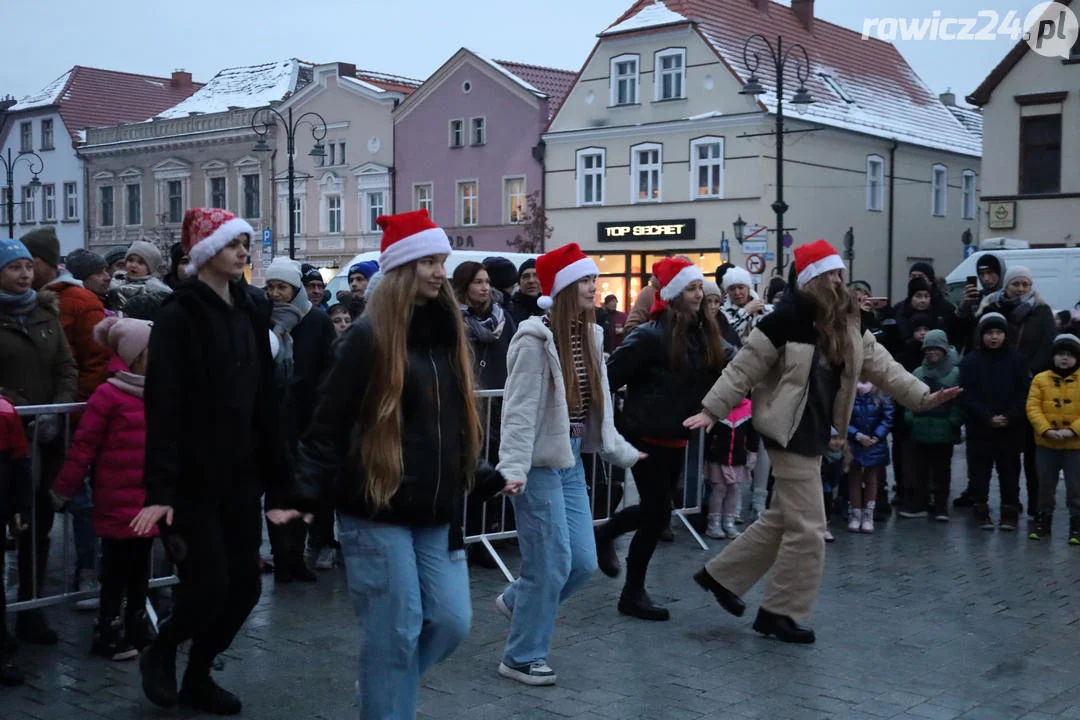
(43, 243)
(992, 320)
(366, 268)
(916, 284)
(1015, 271)
(502, 272)
(712, 288)
(1067, 342)
(286, 270)
(126, 337)
(82, 264)
(12, 250)
(145, 305)
(149, 253)
(925, 320)
(310, 274)
(926, 269)
(737, 276)
(115, 255)
(936, 339)
(529, 264)
(988, 262)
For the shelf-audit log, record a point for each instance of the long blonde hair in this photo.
(837, 311)
(567, 320)
(378, 434)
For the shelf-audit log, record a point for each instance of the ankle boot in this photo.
(109, 641)
(205, 695)
(729, 527)
(715, 528)
(10, 674)
(635, 602)
(158, 668)
(783, 627)
(606, 557)
(140, 631)
(727, 599)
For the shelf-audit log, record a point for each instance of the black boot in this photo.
(636, 603)
(207, 696)
(667, 534)
(300, 571)
(31, 627)
(109, 641)
(963, 500)
(10, 675)
(783, 627)
(140, 631)
(606, 557)
(158, 668)
(727, 599)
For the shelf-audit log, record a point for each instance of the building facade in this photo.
(655, 151)
(467, 147)
(1031, 109)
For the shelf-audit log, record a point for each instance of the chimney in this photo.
(804, 10)
(181, 79)
(948, 98)
(346, 70)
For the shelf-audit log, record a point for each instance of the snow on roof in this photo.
(509, 74)
(250, 86)
(48, 95)
(971, 118)
(655, 15)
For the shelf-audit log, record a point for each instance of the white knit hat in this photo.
(286, 270)
(737, 276)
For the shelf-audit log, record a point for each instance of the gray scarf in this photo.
(284, 319)
(937, 371)
(18, 304)
(1016, 309)
(484, 330)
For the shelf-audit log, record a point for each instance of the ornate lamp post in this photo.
(272, 117)
(33, 160)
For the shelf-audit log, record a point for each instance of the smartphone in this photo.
(973, 280)
(879, 302)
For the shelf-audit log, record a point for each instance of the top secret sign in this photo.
(657, 230)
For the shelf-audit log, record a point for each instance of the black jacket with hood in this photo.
(995, 382)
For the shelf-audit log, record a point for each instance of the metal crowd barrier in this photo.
(66, 595)
(600, 475)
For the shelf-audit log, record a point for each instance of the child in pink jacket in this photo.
(112, 437)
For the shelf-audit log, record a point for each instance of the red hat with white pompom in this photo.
(206, 232)
(559, 269)
(673, 276)
(815, 259)
(410, 236)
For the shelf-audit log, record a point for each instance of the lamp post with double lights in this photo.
(270, 118)
(779, 56)
(33, 160)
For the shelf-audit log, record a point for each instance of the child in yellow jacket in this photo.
(1053, 408)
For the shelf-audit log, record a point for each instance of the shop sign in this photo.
(652, 230)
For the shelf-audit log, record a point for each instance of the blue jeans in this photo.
(411, 597)
(558, 555)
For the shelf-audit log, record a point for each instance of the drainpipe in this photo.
(539, 155)
(892, 211)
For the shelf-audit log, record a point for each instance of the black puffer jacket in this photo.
(659, 397)
(522, 307)
(433, 417)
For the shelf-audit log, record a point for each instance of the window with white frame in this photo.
(468, 203)
(133, 201)
(29, 208)
(105, 206)
(71, 201)
(591, 164)
(875, 182)
(624, 80)
(331, 158)
(457, 133)
(333, 214)
(174, 200)
(478, 131)
(424, 199)
(48, 203)
(376, 206)
(967, 196)
(707, 167)
(939, 187)
(298, 215)
(26, 137)
(4, 193)
(47, 134)
(341, 152)
(219, 193)
(514, 194)
(252, 204)
(670, 74)
(646, 162)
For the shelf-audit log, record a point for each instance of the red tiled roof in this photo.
(552, 82)
(393, 83)
(92, 97)
(887, 98)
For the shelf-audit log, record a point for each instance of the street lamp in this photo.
(740, 226)
(801, 99)
(32, 159)
(318, 131)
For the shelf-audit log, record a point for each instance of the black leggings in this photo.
(655, 477)
(125, 568)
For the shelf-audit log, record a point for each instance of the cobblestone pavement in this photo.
(921, 620)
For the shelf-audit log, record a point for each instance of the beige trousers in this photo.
(789, 539)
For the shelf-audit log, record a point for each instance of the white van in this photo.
(1054, 271)
(341, 280)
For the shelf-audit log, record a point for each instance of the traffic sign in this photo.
(267, 235)
(755, 264)
(969, 250)
(755, 232)
(769, 256)
(755, 246)
(725, 246)
(788, 240)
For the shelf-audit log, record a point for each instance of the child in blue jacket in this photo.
(868, 433)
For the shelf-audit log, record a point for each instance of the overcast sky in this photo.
(42, 40)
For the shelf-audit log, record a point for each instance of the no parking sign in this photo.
(755, 264)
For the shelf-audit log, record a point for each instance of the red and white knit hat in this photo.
(410, 236)
(559, 269)
(206, 232)
(815, 259)
(673, 275)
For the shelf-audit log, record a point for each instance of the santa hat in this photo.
(737, 276)
(206, 232)
(408, 237)
(815, 259)
(559, 269)
(673, 275)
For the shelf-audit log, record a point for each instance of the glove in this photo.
(48, 428)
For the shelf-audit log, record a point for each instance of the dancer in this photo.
(667, 365)
(802, 363)
(393, 445)
(212, 447)
(556, 406)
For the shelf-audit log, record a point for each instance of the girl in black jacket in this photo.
(394, 441)
(665, 365)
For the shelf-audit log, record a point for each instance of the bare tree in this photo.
(535, 229)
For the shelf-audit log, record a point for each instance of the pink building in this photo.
(467, 146)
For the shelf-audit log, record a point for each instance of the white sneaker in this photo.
(828, 536)
(856, 520)
(503, 609)
(535, 674)
(91, 603)
(729, 527)
(715, 529)
(325, 560)
(867, 526)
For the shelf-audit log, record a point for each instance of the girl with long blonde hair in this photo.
(397, 434)
(557, 405)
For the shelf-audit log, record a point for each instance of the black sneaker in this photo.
(158, 668)
(1074, 531)
(31, 627)
(207, 696)
(667, 534)
(109, 641)
(535, 674)
(1041, 529)
(140, 631)
(637, 603)
(981, 514)
(963, 500)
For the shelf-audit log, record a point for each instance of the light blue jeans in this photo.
(558, 555)
(411, 597)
